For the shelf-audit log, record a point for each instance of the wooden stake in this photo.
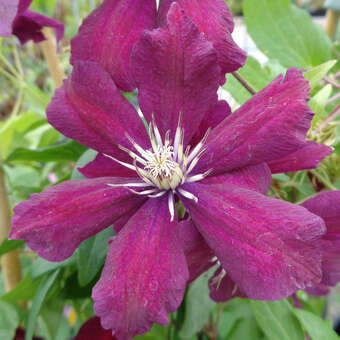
(10, 263)
(332, 18)
(49, 49)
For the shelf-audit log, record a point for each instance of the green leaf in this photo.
(24, 291)
(91, 255)
(41, 267)
(317, 328)
(23, 176)
(68, 151)
(318, 103)
(277, 320)
(198, 306)
(315, 75)
(256, 76)
(38, 300)
(9, 321)
(286, 33)
(9, 245)
(86, 157)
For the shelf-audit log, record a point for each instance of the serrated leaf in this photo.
(198, 306)
(286, 33)
(315, 75)
(91, 255)
(317, 328)
(38, 300)
(9, 321)
(9, 245)
(277, 320)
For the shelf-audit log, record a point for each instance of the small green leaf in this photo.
(198, 306)
(318, 103)
(277, 320)
(9, 321)
(9, 245)
(68, 151)
(91, 255)
(315, 75)
(286, 33)
(316, 327)
(41, 267)
(24, 291)
(85, 158)
(38, 300)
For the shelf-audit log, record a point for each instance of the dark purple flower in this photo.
(92, 329)
(270, 248)
(17, 19)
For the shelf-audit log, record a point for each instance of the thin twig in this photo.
(244, 83)
(332, 82)
(334, 114)
(333, 99)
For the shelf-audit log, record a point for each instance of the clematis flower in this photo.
(17, 19)
(195, 154)
(92, 329)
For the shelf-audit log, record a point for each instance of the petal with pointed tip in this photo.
(308, 157)
(176, 72)
(90, 109)
(56, 221)
(145, 274)
(109, 33)
(270, 248)
(213, 18)
(271, 125)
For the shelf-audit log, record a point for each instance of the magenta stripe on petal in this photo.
(56, 221)
(270, 248)
(176, 72)
(308, 157)
(90, 109)
(109, 33)
(271, 125)
(145, 273)
(213, 18)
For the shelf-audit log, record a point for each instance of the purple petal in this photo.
(176, 72)
(109, 33)
(92, 329)
(56, 221)
(103, 166)
(223, 288)
(271, 125)
(308, 157)
(213, 18)
(145, 273)
(8, 12)
(90, 109)
(270, 248)
(327, 206)
(211, 119)
(198, 254)
(254, 177)
(28, 25)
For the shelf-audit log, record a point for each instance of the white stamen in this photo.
(199, 177)
(171, 205)
(132, 155)
(156, 132)
(161, 193)
(129, 166)
(137, 185)
(188, 194)
(145, 192)
(198, 147)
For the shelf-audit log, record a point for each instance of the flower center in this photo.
(165, 167)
